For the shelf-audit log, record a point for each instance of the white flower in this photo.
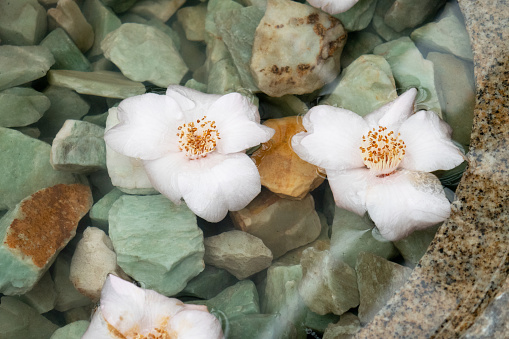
(127, 311)
(333, 6)
(378, 163)
(192, 146)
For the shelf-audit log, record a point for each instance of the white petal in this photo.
(333, 6)
(428, 144)
(196, 324)
(163, 174)
(349, 188)
(194, 103)
(332, 139)
(98, 328)
(394, 113)
(148, 127)
(406, 201)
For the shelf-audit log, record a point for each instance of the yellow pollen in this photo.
(198, 139)
(382, 150)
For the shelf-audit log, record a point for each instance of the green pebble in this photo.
(410, 13)
(73, 330)
(413, 247)
(345, 328)
(358, 44)
(21, 106)
(208, 283)
(97, 119)
(42, 297)
(100, 210)
(359, 16)
(285, 106)
(192, 19)
(254, 326)
(22, 22)
(319, 322)
(103, 21)
(67, 295)
(32, 132)
(67, 55)
(236, 301)
(213, 7)
(119, 6)
(199, 86)
(223, 77)
(156, 23)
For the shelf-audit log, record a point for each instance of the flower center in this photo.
(197, 139)
(382, 150)
(157, 333)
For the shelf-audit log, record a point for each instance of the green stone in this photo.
(358, 44)
(365, 85)
(99, 212)
(410, 69)
(97, 119)
(42, 297)
(100, 83)
(237, 29)
(319, 322)
(103, 64)
(285, 106)
(73, 330)
(345, 328)
(103, 21)
(359, 16)
(65, 104)
(454, 79)
(32, 132)
(379, 25)
(410, 13)
(78, 313)
(236, 301)
(67, 55)
(144, 53)
(157, 242)
(254, 326)
(18, 320)
(192, 52)
(79, 148)
(67, 295)
(159, 9)
(119, 6)
(223, 77)
(199, 86)
(156, 23)
(378, 280)
(21, 106)
(22, 22)
(413, 247)
(352, 234)
(214, 7)
(21, 64)
(192, 19)
(208, 283)
(26, 168)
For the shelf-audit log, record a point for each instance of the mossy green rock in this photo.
(170, 233)
(208, 283)
(359, 16)
(255, 326)
(144, 53)
(410, 13)
(21, 64)
(74, 330)
(101, 209)
(21, 106)
(237, 300)
(67, 55)
(365, 85)
(22, 22)
(410, 69)
(43, 296)
(358, 44)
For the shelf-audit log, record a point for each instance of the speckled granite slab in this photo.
(459, 283)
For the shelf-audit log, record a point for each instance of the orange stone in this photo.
(281, 169)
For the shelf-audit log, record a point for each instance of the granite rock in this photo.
(74, 330)
(101, 209)
(159, 9)
(208, 283)
(43, 296)
(358, 44)
(192, 19)
(359, 16)
(408, 13)
(21, 106)
(103, 21)
(22, 22)
(67, 55)
(345, 328)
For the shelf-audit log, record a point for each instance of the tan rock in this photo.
(281, 169)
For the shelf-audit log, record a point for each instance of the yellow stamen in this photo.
(382, 150)
(198, 139)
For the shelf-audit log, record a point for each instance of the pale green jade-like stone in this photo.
(22, 22)
(358, 44)
(214, 7)
(97, 119)
(199, 86)
(100, 83)
(365, 85)
(319, 322)
(159, 9)
(359, 16)
(262, 326)
(100, 211)
(192, 52)
(345, 328)
(409, 13)
(223, 77)
(79, 313)
(68, 296)
(103, 21)
(285, 106)
(237, 300)
(21, 106)
(119, 6)
(139, 223)
(413, 247)
(410, 69)
(208, 283)
(67, 55)
(192, 19)
(379, 25)
(74, 330)
(18, 320)
(79, 148)
(144, 53)
(32, 132)
(176, 37)
(43, 296)
(21, 64)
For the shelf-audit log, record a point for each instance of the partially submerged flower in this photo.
(127, 311)
(378, 163)
(192, 146)
(333, 6)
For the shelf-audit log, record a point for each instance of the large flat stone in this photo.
(21, 106)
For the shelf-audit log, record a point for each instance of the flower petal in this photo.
(406, 201)
(333, 6)
(332, 139)
(163, 174)
(147, 128)
(196, 324)
(394, 113)
(349, 188)
(194, 103)
(428, 144)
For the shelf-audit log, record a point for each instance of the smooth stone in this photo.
(347, 326)
(68, 297)
(192, 19)
(21, 106)
(328, 285)
(209, 283)
(100, 83)
(65, 104)
(18, 320)
(43, 296)
(358, 44)
(281, 170)
(296, 49)
(455, 86)
(378, 280)
(281, 224)
(74, 330)
(138, 223)
(365, 85)
(126, 173)
(359, 16)
(238, 252)
(223, 77)
(159, 9)
(261, 326)
(22, 22)
(144, 53)
(236, 301)
(413, 247)
(409, 13)
(101, 209)
(21, 64)
(237, 29)
(92, 261)
(287, 105)
(67, 55)
(103, 21)
(26, 168)
(410, 69)
(353, 234)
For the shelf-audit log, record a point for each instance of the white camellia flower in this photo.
(193, 146)
(379, 163)
(127, 311)
(333, 6)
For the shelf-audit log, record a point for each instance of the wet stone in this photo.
(261, 326)
(74, 330)
(379, 25)
(358, 44)
(237, 300)
(103, 21)
(409, 14)
(208, 283)
(192, 19)
(359, 16)
(159, 9)
(42, 297)
(21, 106)
(99, 212)
(67, 55)
(345, 328)
(22, 22)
